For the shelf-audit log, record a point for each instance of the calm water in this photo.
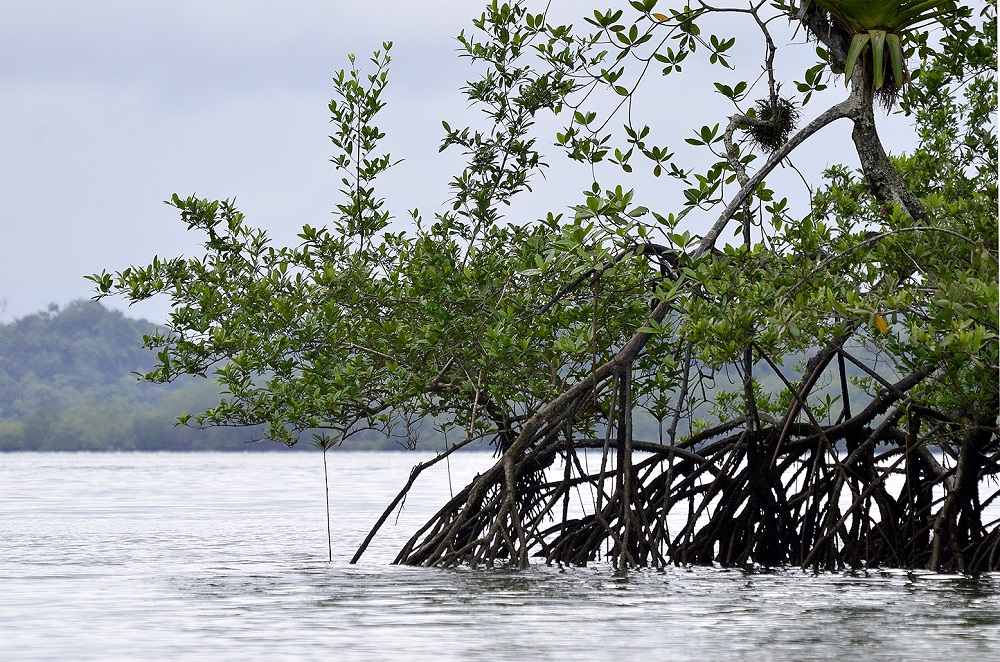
(223, 557)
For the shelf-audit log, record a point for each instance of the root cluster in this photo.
(747, 493)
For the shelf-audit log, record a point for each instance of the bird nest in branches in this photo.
(774, 121)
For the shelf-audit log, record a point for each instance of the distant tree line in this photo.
(69, 382)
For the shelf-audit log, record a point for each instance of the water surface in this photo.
(223, 556)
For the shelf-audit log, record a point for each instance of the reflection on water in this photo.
(211, 555)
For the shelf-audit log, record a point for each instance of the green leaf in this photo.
(896, 56)
(878, 58)
(858, 44)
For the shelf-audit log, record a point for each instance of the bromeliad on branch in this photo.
(884, 24)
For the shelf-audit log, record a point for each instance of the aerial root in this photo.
(721, 502)
(733, 495)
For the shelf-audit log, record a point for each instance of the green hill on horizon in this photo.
(68, 382)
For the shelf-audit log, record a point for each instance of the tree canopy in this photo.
(551, 336)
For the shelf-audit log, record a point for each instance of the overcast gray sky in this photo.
(107, 108)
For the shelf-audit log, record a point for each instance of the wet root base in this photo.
(780, 495)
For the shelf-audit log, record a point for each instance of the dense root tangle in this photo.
(774, 494)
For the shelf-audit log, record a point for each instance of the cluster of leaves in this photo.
(925, 295)
(485, 321)
(358, 328)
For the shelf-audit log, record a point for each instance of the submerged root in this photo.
(719, 504)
